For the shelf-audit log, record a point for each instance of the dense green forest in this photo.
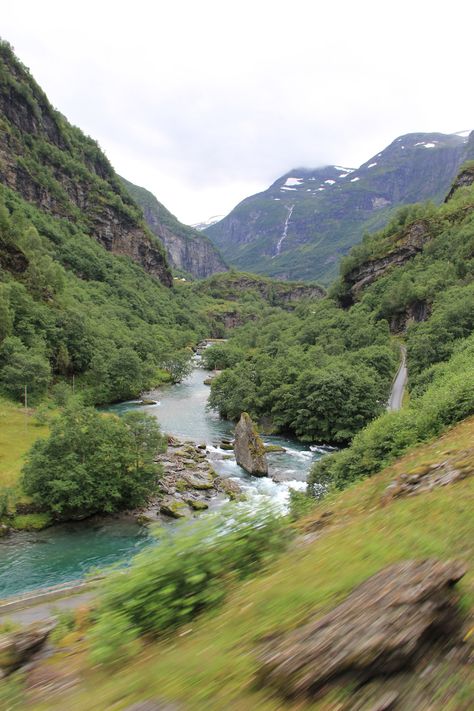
(320, 372)
(70, 308)
(440, 348)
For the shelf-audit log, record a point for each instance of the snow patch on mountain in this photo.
(291, 182)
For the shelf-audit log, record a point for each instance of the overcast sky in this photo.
(205, 102)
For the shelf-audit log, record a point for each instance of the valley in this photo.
(338, 576)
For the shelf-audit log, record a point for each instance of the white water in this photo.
(285, 231)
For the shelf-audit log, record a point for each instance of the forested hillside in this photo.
(53, 165)
(324, 372)
(84, 286)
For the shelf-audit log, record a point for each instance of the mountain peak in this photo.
(301, 226)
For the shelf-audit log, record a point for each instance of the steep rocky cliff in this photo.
(186, 248)
(308, 220)
(233, 285)
(465, 178)
(405, 246)
(54, 165)
(404, 267)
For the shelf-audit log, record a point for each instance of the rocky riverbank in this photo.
(188, 484)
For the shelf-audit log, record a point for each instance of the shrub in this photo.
(187, 572)
(93, 463)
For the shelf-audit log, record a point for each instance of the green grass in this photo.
(211, 662)
(18, 431)
(32, 521)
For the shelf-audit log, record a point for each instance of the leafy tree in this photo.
(178, 364)
(333, 403)
(93, 463)
(23, 367)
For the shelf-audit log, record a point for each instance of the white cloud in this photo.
(197, 101)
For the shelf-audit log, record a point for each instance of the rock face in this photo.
(301, 226)
(408, 244)
(17, 648)
(249, 449)
(464, 180)
(380, 629)
(186, 248)
(54, 165)
(233, 285)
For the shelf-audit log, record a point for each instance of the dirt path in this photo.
(399, 384)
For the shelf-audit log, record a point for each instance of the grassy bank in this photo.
(18, 431)
(211, 663)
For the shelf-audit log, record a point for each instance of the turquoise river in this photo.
(68, 552)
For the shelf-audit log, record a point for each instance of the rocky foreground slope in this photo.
(362, 612)
(309, 218)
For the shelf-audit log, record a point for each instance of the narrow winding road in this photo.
(399, 384)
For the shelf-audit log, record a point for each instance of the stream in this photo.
(67, 552)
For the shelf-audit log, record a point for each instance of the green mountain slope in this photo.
(84, 285)
(56, 167)
(187, 249)
(308, 219)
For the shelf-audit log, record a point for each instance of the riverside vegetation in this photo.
(320, 368)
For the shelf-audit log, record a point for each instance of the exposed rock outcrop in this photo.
(427, 477)
(233, 285)
(17, 648)
(410, 243)
(380, 629)
(186, 248)
(249, 449)
(464, 180)
(52, 164)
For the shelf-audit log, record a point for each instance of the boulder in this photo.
(17, 648)
(274, 449)
(173, 508)
(199, 480)
(381, 628)
(197, 504)
(153, 705)
(226, 446)
(249, 449)
(229, 488)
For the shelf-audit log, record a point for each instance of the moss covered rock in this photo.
(173, 508)
(249, 449)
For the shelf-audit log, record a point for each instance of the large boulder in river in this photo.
(385, 625)
(249, 449)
